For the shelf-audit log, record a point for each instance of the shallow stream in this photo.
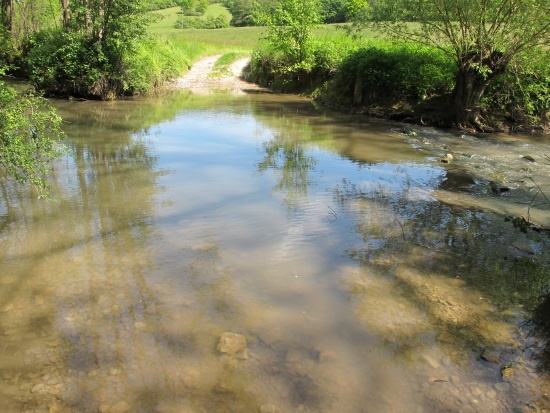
(365, 274)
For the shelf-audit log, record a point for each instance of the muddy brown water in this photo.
(366, 275)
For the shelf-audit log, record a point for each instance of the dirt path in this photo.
(199, 76)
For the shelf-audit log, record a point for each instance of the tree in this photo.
(29, 130)
(483, 37)
(289, 27)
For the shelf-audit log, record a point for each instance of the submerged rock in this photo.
(490, 356)
(507, 372)
(502, 386)
(268, 408)
(448, 338)
(120, 407)
(528, 158)
(232, 343)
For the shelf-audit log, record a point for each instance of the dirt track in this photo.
(200, 76)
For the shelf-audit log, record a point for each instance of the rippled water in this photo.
(365, 275)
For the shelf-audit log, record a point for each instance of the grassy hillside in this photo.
(168, 17)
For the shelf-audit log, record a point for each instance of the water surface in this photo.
(366, 275)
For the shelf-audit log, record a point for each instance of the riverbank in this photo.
(407, 82)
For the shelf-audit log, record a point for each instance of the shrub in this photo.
(395, 71)
(524, 91)
(210, 22)
(385, 70)
(66, 63)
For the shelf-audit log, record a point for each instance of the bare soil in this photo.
(200, 76)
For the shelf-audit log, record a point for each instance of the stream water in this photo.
(365, 274)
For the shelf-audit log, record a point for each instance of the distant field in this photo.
(198, 43)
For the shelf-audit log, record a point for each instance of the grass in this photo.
(241, 38)
(232, 42)
(167, 18)
(221, 67)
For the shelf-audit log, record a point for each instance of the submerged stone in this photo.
(232, 343)
(490, 356)
(268, 408)
(507, 372)
(120, 407)
(502, 386)
(448, 338)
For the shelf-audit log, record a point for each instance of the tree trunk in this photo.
(66, 12)
(6, 15)
(471, 83)
(469, 88)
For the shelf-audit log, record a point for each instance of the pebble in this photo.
(39, 388)
(231, 343)
(268, 408)
(491, 394)
(121, 407)
(508, 373)
(476, 391)
(140, 325)
(431, 361)
(502, 386)
(490, 356)
(104, 408)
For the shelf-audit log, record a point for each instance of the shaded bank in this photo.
(407, 82)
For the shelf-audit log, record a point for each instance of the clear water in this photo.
(366, 275)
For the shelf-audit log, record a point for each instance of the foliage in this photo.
(209, 22)
(27, 17)
(332, 11)
(193, 7)
(290, 24)
(29, 130)
(271, 68)
(524, 91)
(243, 11)
(88, 56)
(156, 60)
(394, 71)
(385, 71)
(483, 36)
(162, 4)
(66, 63)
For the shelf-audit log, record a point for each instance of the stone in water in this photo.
(232, 343)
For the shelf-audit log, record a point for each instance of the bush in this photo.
(395, 71)
(210, 22)
(385, 70)
(67, 63)
(162, 4)
(155, 61)
(524, 91)
(64, 63)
